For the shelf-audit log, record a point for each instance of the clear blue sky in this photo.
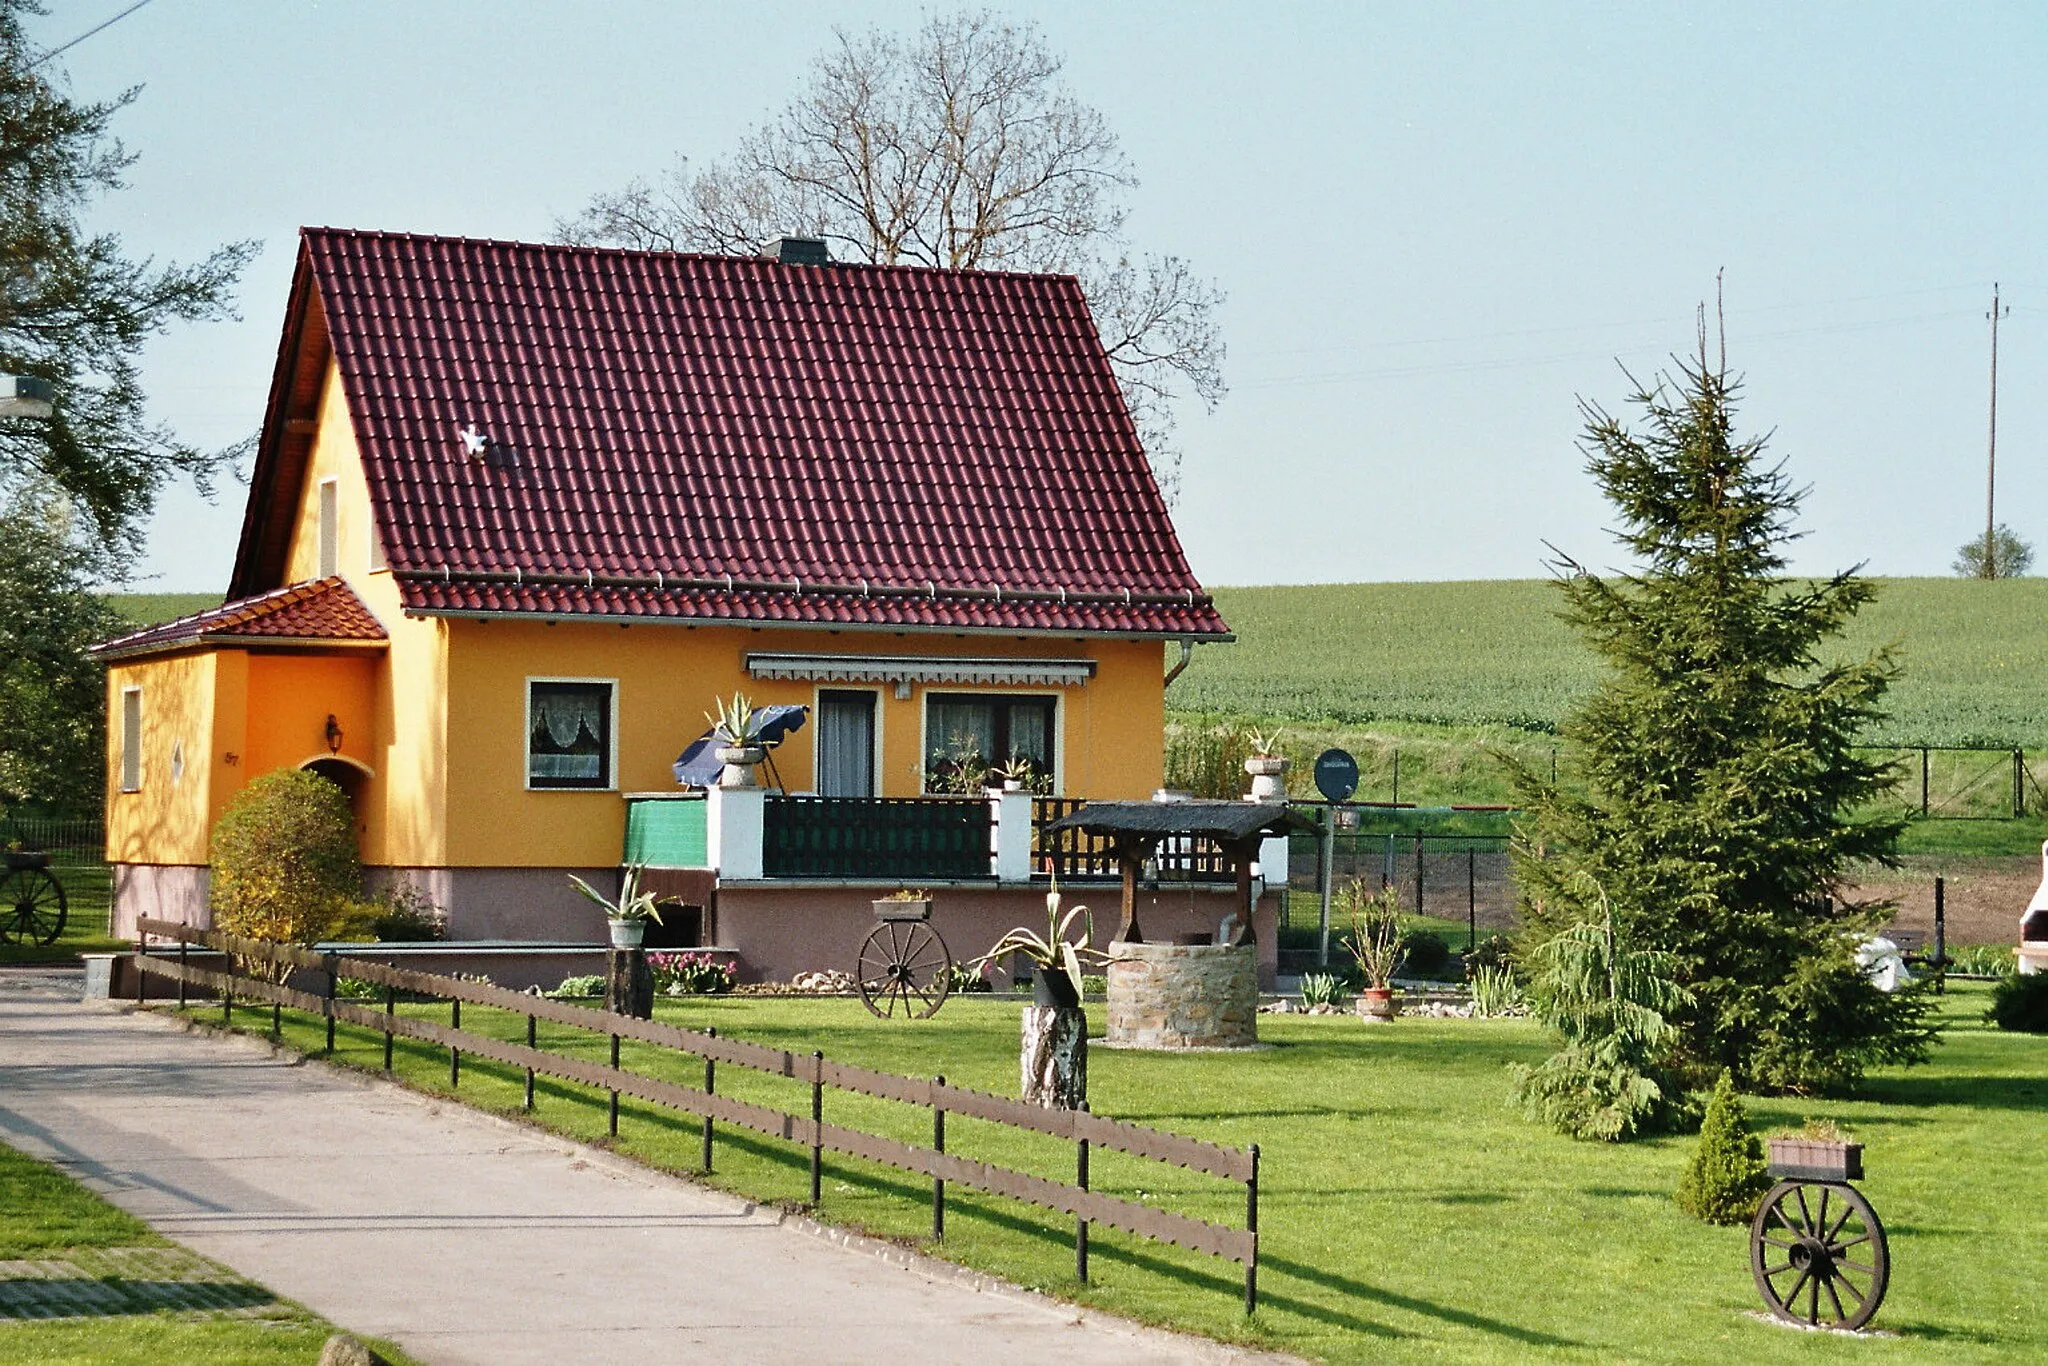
(1437, 225)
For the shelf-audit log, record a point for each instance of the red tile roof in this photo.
(323, 612)
(729, 438)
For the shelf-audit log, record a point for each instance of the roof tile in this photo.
(318, 611)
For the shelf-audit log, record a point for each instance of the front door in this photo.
(846, 744)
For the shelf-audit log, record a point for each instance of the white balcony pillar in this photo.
(1010, 813)
(733, 821)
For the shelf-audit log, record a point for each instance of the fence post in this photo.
(141, 952)
(939, 1147)
(1329, 871)
(612, 1119)
(454, 1053)
(1940, 938)
(1081, 1225)
(1923, 780)
(183, 959)
(1418, 875)
(817, 1127)
(390, 1010)
(1251, 1225)
(227, 993)
(1397, 776)
(529, 1071)
(2019, 791)
(327, 1003)
(710, 1088)
(1471, 898)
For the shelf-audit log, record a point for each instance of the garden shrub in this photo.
(961, 977)
(1321, 989)
(1984, 960)
(2020, 1003)
(403, 914)
(573, 987)
(688, 973)
(285, 867)
(1728, 1173)
(1424, 953)
(1496, 952)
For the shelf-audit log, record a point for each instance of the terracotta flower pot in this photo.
(1377, 1003)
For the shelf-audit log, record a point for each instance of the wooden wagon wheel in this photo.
(32, 906)
(1819, 1241)
(904, 963)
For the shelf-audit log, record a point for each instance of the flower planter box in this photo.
(1808, 1159)
(20, 859)
(899, 908)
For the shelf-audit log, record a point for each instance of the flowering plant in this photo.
(689, 973)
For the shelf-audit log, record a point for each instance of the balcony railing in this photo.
(911, 838)
(1073, 856)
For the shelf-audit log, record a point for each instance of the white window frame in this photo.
(875, 763)
(374, 559)
(1059, 727)
(526, 734)
(327, 534)
(131, 739)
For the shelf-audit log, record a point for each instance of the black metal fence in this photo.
(36, 832)
(1465, 879)
(911, 838)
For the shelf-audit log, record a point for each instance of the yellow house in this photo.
(521, 513)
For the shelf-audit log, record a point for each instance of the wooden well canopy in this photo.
(1135, 830)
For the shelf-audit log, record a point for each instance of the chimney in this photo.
(797, 251)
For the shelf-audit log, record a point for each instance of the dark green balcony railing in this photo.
(884, 838)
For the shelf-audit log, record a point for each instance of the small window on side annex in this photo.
(967, 734)
(569, 735)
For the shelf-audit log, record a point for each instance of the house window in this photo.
(131, 739)
(330, 529)
(967, 734)
(569, 727)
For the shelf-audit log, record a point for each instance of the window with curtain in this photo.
(967, 734)
(569, 735)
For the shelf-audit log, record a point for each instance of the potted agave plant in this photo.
(740, 749)
(1053, 1051)
(1267, 766)
(626, 914)
(1016, 775)
(1375, 944)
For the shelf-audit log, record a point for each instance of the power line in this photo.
(97, 28)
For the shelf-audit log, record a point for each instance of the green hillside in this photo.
(1494, 654)
(147, 609)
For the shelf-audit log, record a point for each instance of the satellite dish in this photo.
(1336, 775)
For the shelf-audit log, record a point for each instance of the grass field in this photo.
(1407, 1214)
(1494, 655)
(147, 609)
(143, 1317)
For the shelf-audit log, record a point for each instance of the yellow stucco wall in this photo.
(168, 820)
(397, 729)
(1109, 731)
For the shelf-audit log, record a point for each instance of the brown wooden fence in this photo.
(811, 1130)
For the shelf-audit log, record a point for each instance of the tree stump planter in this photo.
(1053, 1052)
(629, 983)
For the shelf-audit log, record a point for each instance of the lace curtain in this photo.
(569, 716)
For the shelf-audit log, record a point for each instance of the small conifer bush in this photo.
(1727, 1174)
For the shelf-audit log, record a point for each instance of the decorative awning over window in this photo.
(1065, 673)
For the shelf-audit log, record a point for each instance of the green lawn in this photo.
(47, 1217)
(147, 609)
(1408, 1214)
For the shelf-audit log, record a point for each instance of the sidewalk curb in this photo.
(620, 1166)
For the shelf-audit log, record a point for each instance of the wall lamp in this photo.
(333, 734)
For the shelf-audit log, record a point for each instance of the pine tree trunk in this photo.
(1054, 1056)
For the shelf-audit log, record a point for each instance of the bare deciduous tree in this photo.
(959, 147)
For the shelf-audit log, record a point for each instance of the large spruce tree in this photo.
(1712, 788)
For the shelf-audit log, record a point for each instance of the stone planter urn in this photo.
(1377, 1003)
(740, 762)
(1269, 777)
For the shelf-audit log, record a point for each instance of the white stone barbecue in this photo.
(2033, 950)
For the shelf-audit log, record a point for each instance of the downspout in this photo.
(1187, 652)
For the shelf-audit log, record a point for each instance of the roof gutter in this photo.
(901, 628)
(1187, 652)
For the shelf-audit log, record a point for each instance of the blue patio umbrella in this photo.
(698, 765)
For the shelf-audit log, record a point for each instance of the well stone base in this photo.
(1174, 996)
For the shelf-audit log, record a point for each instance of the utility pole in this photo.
(1991, 459)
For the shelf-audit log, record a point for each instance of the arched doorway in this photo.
(352, 778)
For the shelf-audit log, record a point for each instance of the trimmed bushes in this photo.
(1728, 1173)
(285, 866)
(2021, 1003)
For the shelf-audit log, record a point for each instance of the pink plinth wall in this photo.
(780, 930)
